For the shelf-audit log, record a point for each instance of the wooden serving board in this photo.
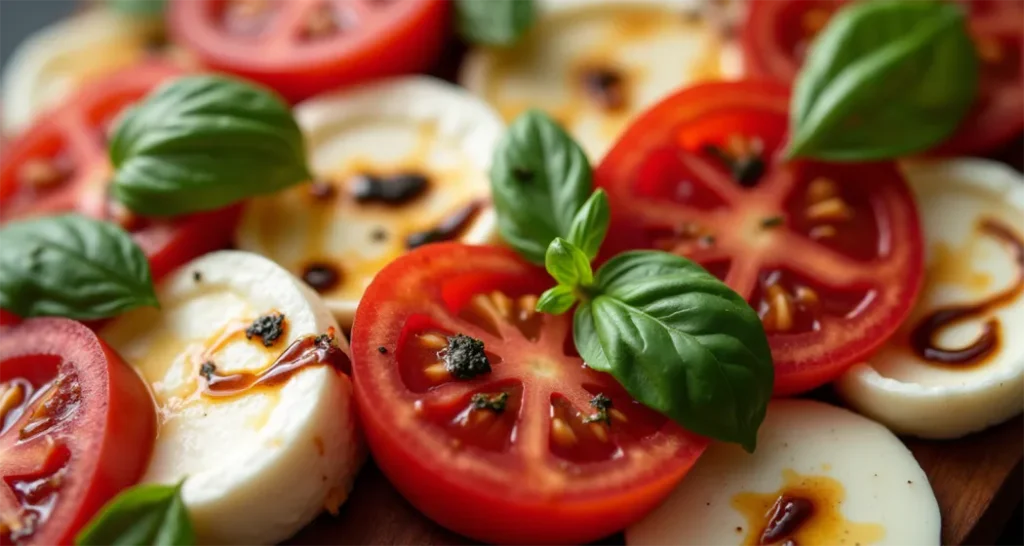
(977, 481)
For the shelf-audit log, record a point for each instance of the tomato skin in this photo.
(490, 497)
(410, 43)
(110, 437)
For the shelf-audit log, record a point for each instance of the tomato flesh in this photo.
(304, 47)
(777, 34)
(77, 427)
(60, 165)
(536, 471)
(829, 255)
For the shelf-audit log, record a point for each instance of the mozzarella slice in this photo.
(336, 234)
(850, 478)
(594, 65)
(966, 263)
(54, 61)
(259, 464)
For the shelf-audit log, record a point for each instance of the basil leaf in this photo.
(680, 342)
(143, 515)
(556, 300)
(203, 142)
(139, 8)
(568, 264)
(493, 22)
(590, 225)
(540, 178)
(885, 79)
(71, 266)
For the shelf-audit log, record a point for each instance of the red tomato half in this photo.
(304, 47)
(60, 165)
(829, 255)
(777, 33)
(534, 472)
(77, 427)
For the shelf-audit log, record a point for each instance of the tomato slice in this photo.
(77, 427)
(830, 255)
(60, 165)
(534, 472)
(304, 47)
(777, 33)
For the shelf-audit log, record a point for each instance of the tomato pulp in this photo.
(60, 165)
(829, 255)
(304, 47)
(777, 34)
(77, 427)
(521, 453)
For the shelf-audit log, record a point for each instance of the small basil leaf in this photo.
(556, 300)
(203, 142)
(568, 264)
(884, 79)
(71, 266)
(145, 514)
(139, 8)
(590, 225)
(540, 178)
(493, 22)
(680, 342)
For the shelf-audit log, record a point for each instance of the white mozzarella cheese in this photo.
(638, 51)
(54, 61)
(261, 463)
(965, 265)
(419, 125)
(863, 487)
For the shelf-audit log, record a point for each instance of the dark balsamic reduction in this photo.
(788, 514)
(449, 228)
(605, 87)
(321, 276)
(394, 189)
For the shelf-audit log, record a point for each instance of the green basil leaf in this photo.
(884, 79)
(143, 515)
(493, 22)
(71, 266)
(540, 178)
(680, 342)
(590, 225)
(568, 264)
(139, 8)
(556, 300)
(203, 142)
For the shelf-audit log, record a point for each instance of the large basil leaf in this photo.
(681, 342)
(540, 178)
(139, 8)
(203, 142)
(71, 266)
(493, 22)
(885, 79)
(143, 515)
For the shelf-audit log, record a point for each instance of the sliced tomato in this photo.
(303, 47)
(777, 33)
(77, 427)
(830, 255)
(60, 165)
(534, 472)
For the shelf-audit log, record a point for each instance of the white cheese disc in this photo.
(966, 264)
(56, 60)
(324, 234)
(261, 462)
(849, 479)
(594, 65)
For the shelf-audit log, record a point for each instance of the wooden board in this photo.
(977, 481)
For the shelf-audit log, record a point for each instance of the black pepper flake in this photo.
(464, 357)
(394, 189)
(605, 87)
(382, 350)
(379, 234)
(602, 404)
(773, 221)
(207, 369)
(492, 402)
(268, 328)
(325, 341)
(197, 276)
(321, 276)
(745, 169)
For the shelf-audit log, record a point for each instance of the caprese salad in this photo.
(578, 292)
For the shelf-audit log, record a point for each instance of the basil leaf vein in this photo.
(144, 514)
(494, 22)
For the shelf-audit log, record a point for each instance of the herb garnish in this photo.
(493, 22)
(464, 357)
(268, 328)
(144, 514)
(602, 404)
(492, 402)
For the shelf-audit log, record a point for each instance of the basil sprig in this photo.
(493, 22)
(139, 8)
(678, 340)
(71, 266)
(204, 142)
(884, 79)
(145, 514)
